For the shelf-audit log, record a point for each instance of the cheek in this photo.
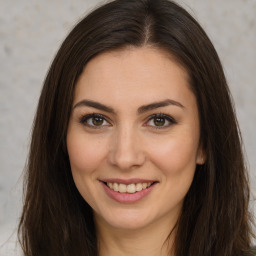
(84, 154)
(176, 155)
(176, 160)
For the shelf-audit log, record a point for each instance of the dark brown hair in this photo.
(215, 219)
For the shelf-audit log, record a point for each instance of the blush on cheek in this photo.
(174, 157)
(83, 161)
(84, 152)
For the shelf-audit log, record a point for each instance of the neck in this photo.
(153, 240)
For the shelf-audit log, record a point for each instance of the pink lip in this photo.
(127, 197)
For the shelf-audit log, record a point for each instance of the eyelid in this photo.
(169, 118)
(84, 118)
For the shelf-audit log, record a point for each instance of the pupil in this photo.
(97, 121)
(159, 121)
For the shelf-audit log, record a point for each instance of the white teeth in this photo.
(115, 186)
(122, 188)
(138, 187)
(131, 188)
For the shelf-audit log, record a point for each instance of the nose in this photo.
(126, 151)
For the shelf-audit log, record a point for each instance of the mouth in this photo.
(128, 188)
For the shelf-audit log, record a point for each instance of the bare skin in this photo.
(134, 121)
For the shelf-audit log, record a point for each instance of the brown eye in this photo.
(97, 121)
(94, 121)
(159, 121)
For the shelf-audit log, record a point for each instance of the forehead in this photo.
(138, 74)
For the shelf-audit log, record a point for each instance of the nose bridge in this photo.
(126, 151)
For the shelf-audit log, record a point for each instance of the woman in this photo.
(135, 148)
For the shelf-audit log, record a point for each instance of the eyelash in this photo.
(166, 118)
(84, 120)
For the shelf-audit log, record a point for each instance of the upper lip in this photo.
(127, 181)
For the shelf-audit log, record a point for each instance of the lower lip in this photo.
(128, 197)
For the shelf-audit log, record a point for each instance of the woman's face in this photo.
(133, 137)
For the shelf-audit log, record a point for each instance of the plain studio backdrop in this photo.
(31, 32)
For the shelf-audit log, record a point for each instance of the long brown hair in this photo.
(215, 219)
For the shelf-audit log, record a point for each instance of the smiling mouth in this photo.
(130, 188)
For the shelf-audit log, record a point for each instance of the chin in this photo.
(126, 219)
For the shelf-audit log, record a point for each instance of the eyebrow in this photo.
(140, 110)
(94, 104)
(159, 104)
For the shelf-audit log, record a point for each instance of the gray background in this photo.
(30, 34)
